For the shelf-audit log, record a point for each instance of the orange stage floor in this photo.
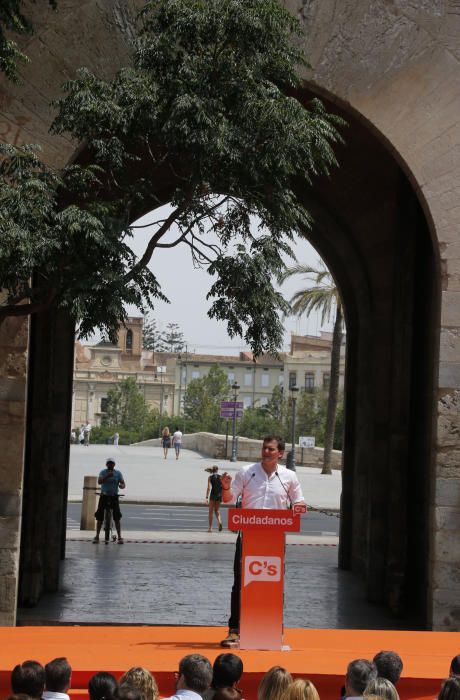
(321, 655)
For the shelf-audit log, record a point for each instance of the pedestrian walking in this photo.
(177, 441)
(214, 496)
(166, 440)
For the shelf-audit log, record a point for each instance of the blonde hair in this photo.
(381, 687)
(301, 689)
(274, 684)
(165, 431)
(141, 678)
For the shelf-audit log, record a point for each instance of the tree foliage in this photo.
(202, 401)
(205, 116)
(173, 338)
(126, 407)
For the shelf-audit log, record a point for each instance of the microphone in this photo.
(285, 489)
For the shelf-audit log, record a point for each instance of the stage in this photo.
(320, 655)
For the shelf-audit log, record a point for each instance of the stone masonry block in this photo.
(450, 309)
(449, 420)
(447, 518)
(447, 492)
(446, 575)
(8, 588)
(446, 609)
(448, 464)
(10, 531)
(446, 548)
(449, 350)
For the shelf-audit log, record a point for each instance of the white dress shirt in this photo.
(258, 490)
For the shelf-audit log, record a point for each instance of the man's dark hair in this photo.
(389, 665)
(450, 689)
(455, 666)
(359, 673)
(57, 675)
(197, 672)
(279, 440)
(227, 670)
(28, 678)
(125, 691)
(102, 685)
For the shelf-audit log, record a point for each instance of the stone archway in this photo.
(397, 67)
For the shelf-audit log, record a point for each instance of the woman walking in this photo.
(166, 440)
(214, 496)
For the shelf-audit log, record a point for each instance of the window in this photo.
(265, 379)
(247, 401)
(129, 340)
(309, 381)
(104, 404)
(195, 374)
(292, 379)
(281, 380)
(184, 373)
(326, 380)
(231, 377)
(248, 379)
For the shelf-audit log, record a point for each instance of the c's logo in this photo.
(299, 508)
(261, 569)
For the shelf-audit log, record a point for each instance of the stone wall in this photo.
(213, 446)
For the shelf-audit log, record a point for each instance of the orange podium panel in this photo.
(262, 573)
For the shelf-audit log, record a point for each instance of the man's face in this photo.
(110, 466)
(271, 454)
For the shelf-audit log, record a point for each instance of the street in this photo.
(147, 518)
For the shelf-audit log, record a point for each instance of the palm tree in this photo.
(323, 296)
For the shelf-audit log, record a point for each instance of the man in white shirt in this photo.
(193, 678)
(177, 441)
(58, 674)
(265, 484)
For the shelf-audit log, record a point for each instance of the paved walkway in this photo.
(152, 479)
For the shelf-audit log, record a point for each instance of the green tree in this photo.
(173, 338)
(126, 407)
(257, 422)
(151, 336)
(324, 297)
(202, 400)
(208, 111)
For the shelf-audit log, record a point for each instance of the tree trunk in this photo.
(333, 392)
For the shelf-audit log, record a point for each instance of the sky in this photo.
(186, 288)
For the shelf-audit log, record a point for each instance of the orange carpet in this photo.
(321, 655)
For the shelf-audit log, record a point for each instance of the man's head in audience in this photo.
(359, 673)
(58, 673)
(195, 673)
(28, 678)
(226, 671)
(455, 666)
(389, 665)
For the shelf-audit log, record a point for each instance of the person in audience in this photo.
(301, 689)
(359, 673)
(450, 689)
(193, 677)
(141, 678)
(389, 665)
(102, 686)
(274, 684)
(226, 673)
(381, 687)
(58, 674)
(28, 678)
(128, 692)
(455, 666)
(228, 693)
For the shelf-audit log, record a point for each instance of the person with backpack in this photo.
(214, 496)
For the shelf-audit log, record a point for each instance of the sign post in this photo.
(262, 572)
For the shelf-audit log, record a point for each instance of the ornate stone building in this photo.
(387, 225)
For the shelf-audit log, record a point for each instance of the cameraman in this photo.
(110, 480)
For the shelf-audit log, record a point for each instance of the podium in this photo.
(262, 572)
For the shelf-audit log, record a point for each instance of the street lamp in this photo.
(161, 371)
(290, 460)
(235, 388)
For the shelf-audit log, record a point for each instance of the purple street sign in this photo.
(231, 404)
(228, 413)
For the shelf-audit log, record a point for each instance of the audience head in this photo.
(128, 692)
(102, 686)
(274, 684)
(381, 687)
(455, 666)
(18, 696)
(58, 673)
(227, 693)
(301, 689)
(389, 665)
(28, 678)
(226, 671)
(195, 673)
(138, 677)
(450, 689)
(359, 673)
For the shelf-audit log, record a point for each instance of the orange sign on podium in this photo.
(262, 572)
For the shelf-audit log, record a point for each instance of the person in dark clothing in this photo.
(28, 678)
(214, 496)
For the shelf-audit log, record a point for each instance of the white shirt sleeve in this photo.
(237, 486)
(295, 491)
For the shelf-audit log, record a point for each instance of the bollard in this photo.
(88, 504)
